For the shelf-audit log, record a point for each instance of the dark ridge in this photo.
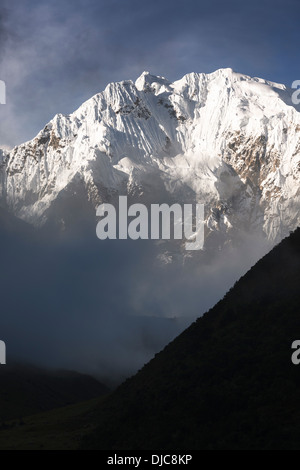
(227, 382)
(26, 390)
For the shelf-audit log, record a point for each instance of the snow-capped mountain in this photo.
(224, 139)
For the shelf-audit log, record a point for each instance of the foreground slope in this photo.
(227, 382)
(58, 429)
(25, 390)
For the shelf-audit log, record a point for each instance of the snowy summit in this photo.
(223, 139)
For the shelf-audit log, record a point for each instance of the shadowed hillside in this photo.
(25, 390)
(227, 382)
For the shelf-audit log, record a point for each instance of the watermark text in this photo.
(2, 92)
(2, 352)
(162, 222)
(296, 94)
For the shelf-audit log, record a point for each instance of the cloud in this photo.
(103, 307)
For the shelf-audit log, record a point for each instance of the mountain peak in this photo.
(148, 82)
(224, 139)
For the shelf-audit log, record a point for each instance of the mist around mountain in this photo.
(227, 382)
(101, 307)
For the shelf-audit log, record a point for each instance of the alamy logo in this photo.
(2, 352)
(154, 225)
(296, 354)
(296, 94)
(2, 92)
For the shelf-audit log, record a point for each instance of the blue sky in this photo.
(55, 54)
